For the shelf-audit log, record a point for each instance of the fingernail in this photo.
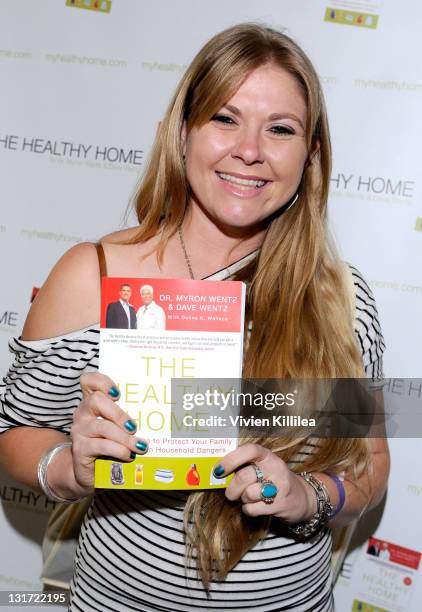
(130, 426)
(114, 392)
(132, 455)
(142, 446)
(218, 471)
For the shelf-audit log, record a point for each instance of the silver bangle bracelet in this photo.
(43, 464)
(323, 512)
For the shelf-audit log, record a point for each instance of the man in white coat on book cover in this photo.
(150, 315)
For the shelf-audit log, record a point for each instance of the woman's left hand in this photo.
(295, 499)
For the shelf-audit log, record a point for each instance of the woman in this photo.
(237, 183)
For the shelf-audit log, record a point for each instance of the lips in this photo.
(243, 182)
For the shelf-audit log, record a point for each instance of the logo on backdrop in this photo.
(373, 187)
(72, 152)
(396, 286)
(364, 606)
(164, 67)
(15, 54)
(418, 224)
(387, 84)
(8, 319)
(25, 499)
(414, 489)
(102, 6)
(346, 17)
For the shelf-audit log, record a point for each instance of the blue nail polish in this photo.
(130, 426)
(114, 392)
(141, 446)
(132, 455)
(218, 471)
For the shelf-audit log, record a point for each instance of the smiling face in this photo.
(146, 295)
(125, 293)
(247, 161)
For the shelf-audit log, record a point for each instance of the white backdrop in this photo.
(83, 91)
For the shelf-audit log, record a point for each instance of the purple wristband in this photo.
(341, 494)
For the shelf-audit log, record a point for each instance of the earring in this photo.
(289, 204)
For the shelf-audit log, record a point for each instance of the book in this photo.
(154, 331)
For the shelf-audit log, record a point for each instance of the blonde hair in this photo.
(297, 298)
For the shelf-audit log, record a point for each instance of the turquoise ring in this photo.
(268, 491)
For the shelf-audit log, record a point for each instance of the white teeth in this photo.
(239, 181)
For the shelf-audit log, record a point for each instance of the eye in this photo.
(225, 119)
(282, 130)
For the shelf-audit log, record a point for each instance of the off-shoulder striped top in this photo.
(131, 548)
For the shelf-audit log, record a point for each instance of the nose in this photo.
(248, 147)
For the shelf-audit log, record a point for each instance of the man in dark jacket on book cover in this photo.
(121, 315)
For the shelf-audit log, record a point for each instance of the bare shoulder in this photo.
(70, 297)
(126, 256)
(121, 236)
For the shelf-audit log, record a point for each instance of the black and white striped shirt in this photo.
(131, 548)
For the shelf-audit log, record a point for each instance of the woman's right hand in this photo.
(112, 435)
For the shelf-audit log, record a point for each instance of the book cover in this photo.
(154, 330)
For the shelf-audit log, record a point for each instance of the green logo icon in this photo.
(101, 6)
(362, 20)
(418, 224)
(363, 606)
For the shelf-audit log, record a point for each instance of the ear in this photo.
(313, 151)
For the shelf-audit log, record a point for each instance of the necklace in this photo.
(187, 258)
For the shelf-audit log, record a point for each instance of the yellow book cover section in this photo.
(153, 332)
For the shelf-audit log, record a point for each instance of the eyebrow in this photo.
(272, 117)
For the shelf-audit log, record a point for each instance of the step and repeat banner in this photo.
(84, 86)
